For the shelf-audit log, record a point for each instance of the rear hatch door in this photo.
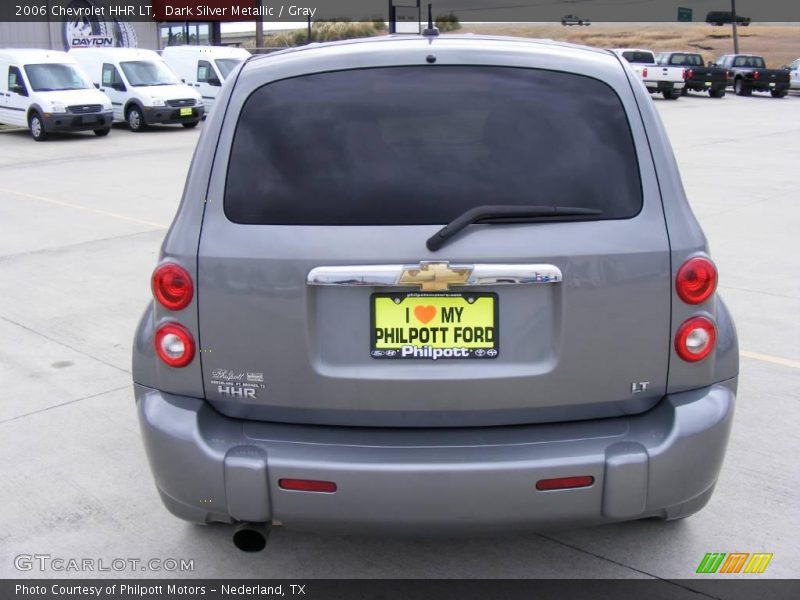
(319, 301)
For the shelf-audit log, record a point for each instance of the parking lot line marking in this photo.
(59, 342)
(775, 360)
(67, 403)
(86, 208)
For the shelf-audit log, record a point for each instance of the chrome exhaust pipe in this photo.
(251, 537)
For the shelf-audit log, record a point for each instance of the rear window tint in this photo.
(645, 58)
(421, 145)
(694, 60)
(755, 62)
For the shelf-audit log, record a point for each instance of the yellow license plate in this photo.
(186, 112)
(434, 326)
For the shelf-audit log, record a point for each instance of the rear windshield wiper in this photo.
(494, 213)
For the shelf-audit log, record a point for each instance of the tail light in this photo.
(696, 280)
(644, 72)
(756, 75)
(688, 74)
(695, 339)
(174, 345)
(172, 286)
(729, 74)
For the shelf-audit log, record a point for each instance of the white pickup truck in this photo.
(657, 78)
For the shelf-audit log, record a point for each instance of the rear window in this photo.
(645, 58)
(421, 145)
(755, 62)
(694, 60)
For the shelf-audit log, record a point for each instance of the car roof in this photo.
(118, 52)
(481, 41)
(33, 54)
(462, 47)
(634, 50)
(408, 50)
(216, 50)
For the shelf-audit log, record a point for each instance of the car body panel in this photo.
(413, 464)
(320, 369)
(422, 482)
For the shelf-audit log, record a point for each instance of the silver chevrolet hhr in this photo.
(434, 284)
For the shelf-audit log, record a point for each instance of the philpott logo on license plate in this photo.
(434, 326)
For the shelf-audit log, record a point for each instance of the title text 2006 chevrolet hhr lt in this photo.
(435, 284)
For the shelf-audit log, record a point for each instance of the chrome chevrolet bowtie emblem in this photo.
(435, 276)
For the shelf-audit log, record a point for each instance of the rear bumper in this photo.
(169, 115)
(764, 86)
(663, 463)
(663, 86)
(71, 122)
(703, 84)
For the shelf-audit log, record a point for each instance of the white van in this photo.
(204, 68)
(142, 88)
(47, 91)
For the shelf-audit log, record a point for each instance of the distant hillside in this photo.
(778, 44)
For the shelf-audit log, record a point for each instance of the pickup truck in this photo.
(750, 73)
(657, 78)
(725, 17)
(794, 73)
(699, 77)
(569, 20)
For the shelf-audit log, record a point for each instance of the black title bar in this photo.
(781, 11)
(392, 589)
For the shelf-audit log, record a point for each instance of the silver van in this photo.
(434, 284)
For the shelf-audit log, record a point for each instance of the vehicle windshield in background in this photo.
(422, 145)
(148, 72)
(49, 77)
(646, 58)
(226, 65)
(755, 62)
(689, 60)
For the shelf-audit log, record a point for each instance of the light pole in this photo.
(735, 31)
(259, 26)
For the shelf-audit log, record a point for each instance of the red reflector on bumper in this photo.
(307, 485)
(565, 483)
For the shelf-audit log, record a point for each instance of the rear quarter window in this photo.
(421, 145)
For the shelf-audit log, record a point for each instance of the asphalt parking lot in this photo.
(81, 221)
